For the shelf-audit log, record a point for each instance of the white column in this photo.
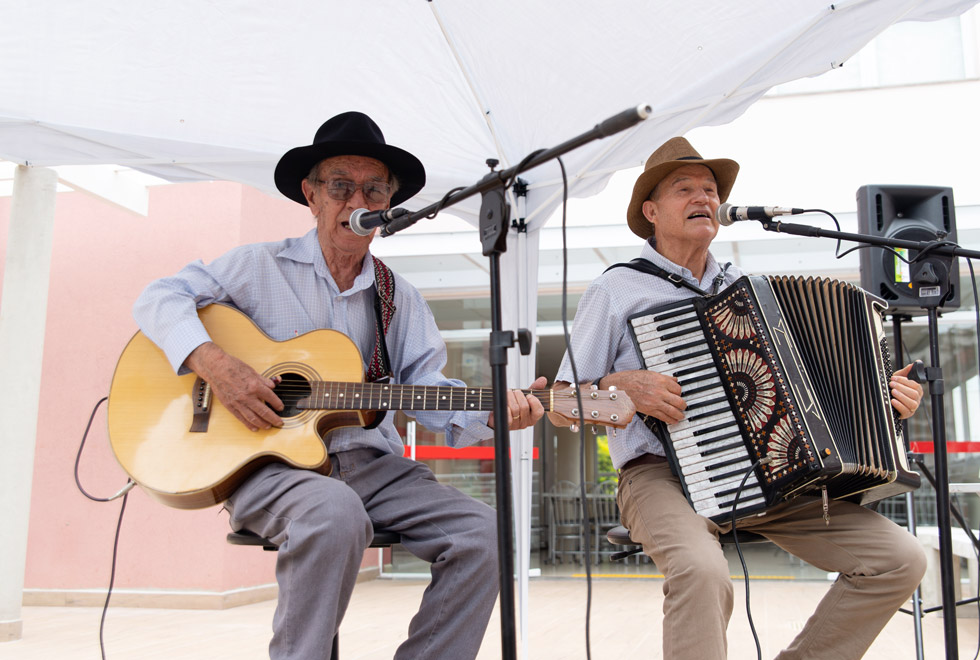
(23, 312)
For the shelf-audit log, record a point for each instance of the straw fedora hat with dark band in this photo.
(349, 134)
(675, 152)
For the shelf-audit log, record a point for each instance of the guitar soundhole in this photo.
(291, 389)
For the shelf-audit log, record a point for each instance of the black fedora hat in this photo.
(349, 134)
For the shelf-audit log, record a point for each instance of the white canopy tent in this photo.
(190, 90)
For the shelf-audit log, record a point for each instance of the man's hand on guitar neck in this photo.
(525, 409)
(239, 388)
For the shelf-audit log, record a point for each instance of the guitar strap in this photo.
(384, 309)
(379, 369)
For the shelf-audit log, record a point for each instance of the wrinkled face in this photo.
(682, 208)
(333, 215)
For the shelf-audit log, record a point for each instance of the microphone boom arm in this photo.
(495, 179)
(808, 230)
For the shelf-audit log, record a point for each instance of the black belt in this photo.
(643, 459)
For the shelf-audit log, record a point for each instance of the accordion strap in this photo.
(647, 266)
(650, 268)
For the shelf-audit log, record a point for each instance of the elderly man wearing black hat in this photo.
(673, 209)
(322, 524)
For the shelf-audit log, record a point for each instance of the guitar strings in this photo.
(399, 390)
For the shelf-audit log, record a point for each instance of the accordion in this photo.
(786, 374)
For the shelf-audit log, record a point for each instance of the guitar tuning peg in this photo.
(573, 428)
(614, 432)
(593, 386)
(595, 431)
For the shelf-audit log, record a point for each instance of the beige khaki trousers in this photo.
(879, 563)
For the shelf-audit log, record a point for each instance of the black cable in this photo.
(112, 575)
(124, 492)
(840, 255)
(738, 548)
(78, 457)
(578, 400)
(976, 311)
(977, 551)
(527, 159)
(441, 204)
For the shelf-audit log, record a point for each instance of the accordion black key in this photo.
(786, 374)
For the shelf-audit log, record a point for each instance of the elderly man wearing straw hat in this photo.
(322, 524)
(673, 209)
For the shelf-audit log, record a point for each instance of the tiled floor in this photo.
(625, 623)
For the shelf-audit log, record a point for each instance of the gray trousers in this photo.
(879, 563)
(322, 526)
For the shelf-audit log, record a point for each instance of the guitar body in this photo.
(152, 411)
(186, 450)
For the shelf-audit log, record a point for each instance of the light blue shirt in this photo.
(286, 288)
(601, 341)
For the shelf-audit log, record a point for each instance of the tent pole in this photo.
(520, 279)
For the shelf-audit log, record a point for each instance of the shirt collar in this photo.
(710, 272)
(306, 250)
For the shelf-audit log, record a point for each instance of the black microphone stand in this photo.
(926, 278)
(494, 223)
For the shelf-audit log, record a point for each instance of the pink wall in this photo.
(102, 259)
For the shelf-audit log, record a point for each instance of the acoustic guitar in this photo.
(186, 450)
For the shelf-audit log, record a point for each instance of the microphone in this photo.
(364, 222)
(727, 213)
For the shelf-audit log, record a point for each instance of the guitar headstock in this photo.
(600, 407)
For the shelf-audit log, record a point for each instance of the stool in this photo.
(619, 535)
(244, 537)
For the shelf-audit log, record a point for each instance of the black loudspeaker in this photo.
(910, 213)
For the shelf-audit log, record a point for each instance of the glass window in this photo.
(914, 52)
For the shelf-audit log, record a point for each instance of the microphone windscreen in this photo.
(723, 216)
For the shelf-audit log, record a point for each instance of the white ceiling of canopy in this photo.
(192, 90)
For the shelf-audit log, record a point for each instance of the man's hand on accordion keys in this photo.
(906, 393)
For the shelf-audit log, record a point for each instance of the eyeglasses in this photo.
(341, 190)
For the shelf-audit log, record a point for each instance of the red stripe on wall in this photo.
(437, 452)
(951, 447)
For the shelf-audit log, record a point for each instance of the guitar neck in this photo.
(386, 396)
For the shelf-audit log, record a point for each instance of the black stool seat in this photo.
(245, 537)
(619, 535)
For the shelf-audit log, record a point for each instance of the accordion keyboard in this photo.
(707, 447)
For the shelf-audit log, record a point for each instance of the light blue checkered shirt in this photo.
(601, 341)
(286, 289)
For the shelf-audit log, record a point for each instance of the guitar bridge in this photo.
(201, 394)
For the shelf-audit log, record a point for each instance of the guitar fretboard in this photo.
(384, 396)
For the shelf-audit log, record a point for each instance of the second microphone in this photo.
(364, 222)
(728, 213)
